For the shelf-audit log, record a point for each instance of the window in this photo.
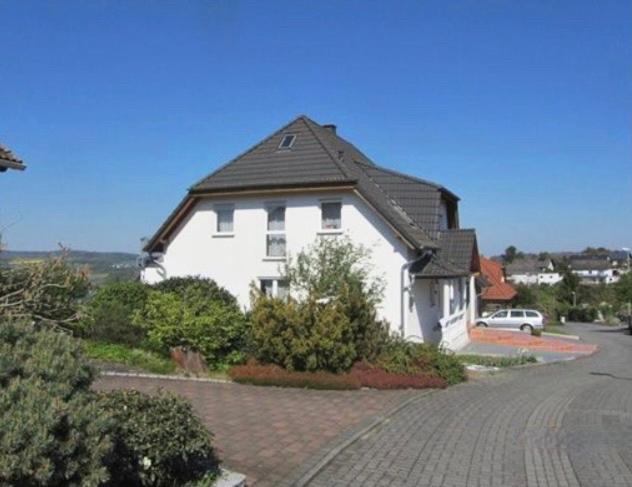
(224, 218)
(330, 215)
(517, 314)
(275, 236)
(500, 314)
(267, 287)
(275, 288)
(287, 141)
(531, 314)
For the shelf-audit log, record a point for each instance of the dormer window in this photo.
(287, 141)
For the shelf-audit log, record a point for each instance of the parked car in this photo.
(521, 319)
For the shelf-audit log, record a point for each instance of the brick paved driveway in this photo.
(269, 433)
(566, 424)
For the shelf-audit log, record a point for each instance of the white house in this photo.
(239, 225)
(532, 271)
(595, 271)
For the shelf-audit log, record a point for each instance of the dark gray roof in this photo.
(319, 157)
(457, 256)
(590, 264)
(526, 265)
(265, 165)
(8, 160)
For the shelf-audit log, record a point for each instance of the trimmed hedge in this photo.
(273, 375)
(377, 378)
(361, 375)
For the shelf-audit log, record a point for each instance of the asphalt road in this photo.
(565, 424)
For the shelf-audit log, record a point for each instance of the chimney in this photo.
(331, 127)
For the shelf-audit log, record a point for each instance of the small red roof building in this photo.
(497, 290)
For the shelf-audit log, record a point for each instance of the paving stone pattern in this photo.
(271, 434)
(564, 425)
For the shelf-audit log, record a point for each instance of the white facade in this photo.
(533, 279)
(598, 276)
(236, 259)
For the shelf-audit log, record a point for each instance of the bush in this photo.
(195, 290)
(131, 357)
(158, 441)
(44, 292)
(111, 312)
(307, 336)
(536, 332)
(51, 431)
(339, 269)
(191, 319)
(582, 314)
(377, 378)
(273, 375)
(401, 357)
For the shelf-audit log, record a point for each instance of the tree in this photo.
(568, 287)
(45, 292)
(510, 254)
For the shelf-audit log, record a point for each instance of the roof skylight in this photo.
(287, 141)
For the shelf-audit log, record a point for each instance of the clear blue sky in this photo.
(524, 109)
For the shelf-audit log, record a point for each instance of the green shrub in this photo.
(196, 290)
(401, 357)
(305, 336)
(132, 357)
(51, 431)
(536, 332)
(111, 311)
(341, 270)
(210, 326)
(158, 441)
(582, 314)
(493, 361)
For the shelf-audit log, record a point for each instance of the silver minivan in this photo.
(520, 319)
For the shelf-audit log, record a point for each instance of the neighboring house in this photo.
(240, 224)
(620, 258)
(497, 292)
(532, 271)
(9, 161)
(595, 270)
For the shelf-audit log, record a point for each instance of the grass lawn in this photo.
(493, 361)
(560, 329)
(132, 357)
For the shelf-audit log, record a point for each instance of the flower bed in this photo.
(377, 378)
(361, 375)
(273, 375)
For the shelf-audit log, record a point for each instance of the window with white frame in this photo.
(274, 288)
(224, 214)
(331, 215)
(275, 234)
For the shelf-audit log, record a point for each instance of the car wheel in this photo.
(527, 328)
(482, 323)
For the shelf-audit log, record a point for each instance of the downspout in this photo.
(406, 287)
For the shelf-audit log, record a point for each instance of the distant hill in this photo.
(103, 266)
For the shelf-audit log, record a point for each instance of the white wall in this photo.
(432, 319)
(234, 262)
(523, 278)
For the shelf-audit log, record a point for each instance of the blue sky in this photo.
(524, 109)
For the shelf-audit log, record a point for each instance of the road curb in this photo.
(141, 375)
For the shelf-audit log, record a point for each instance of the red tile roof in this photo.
(498, 289)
